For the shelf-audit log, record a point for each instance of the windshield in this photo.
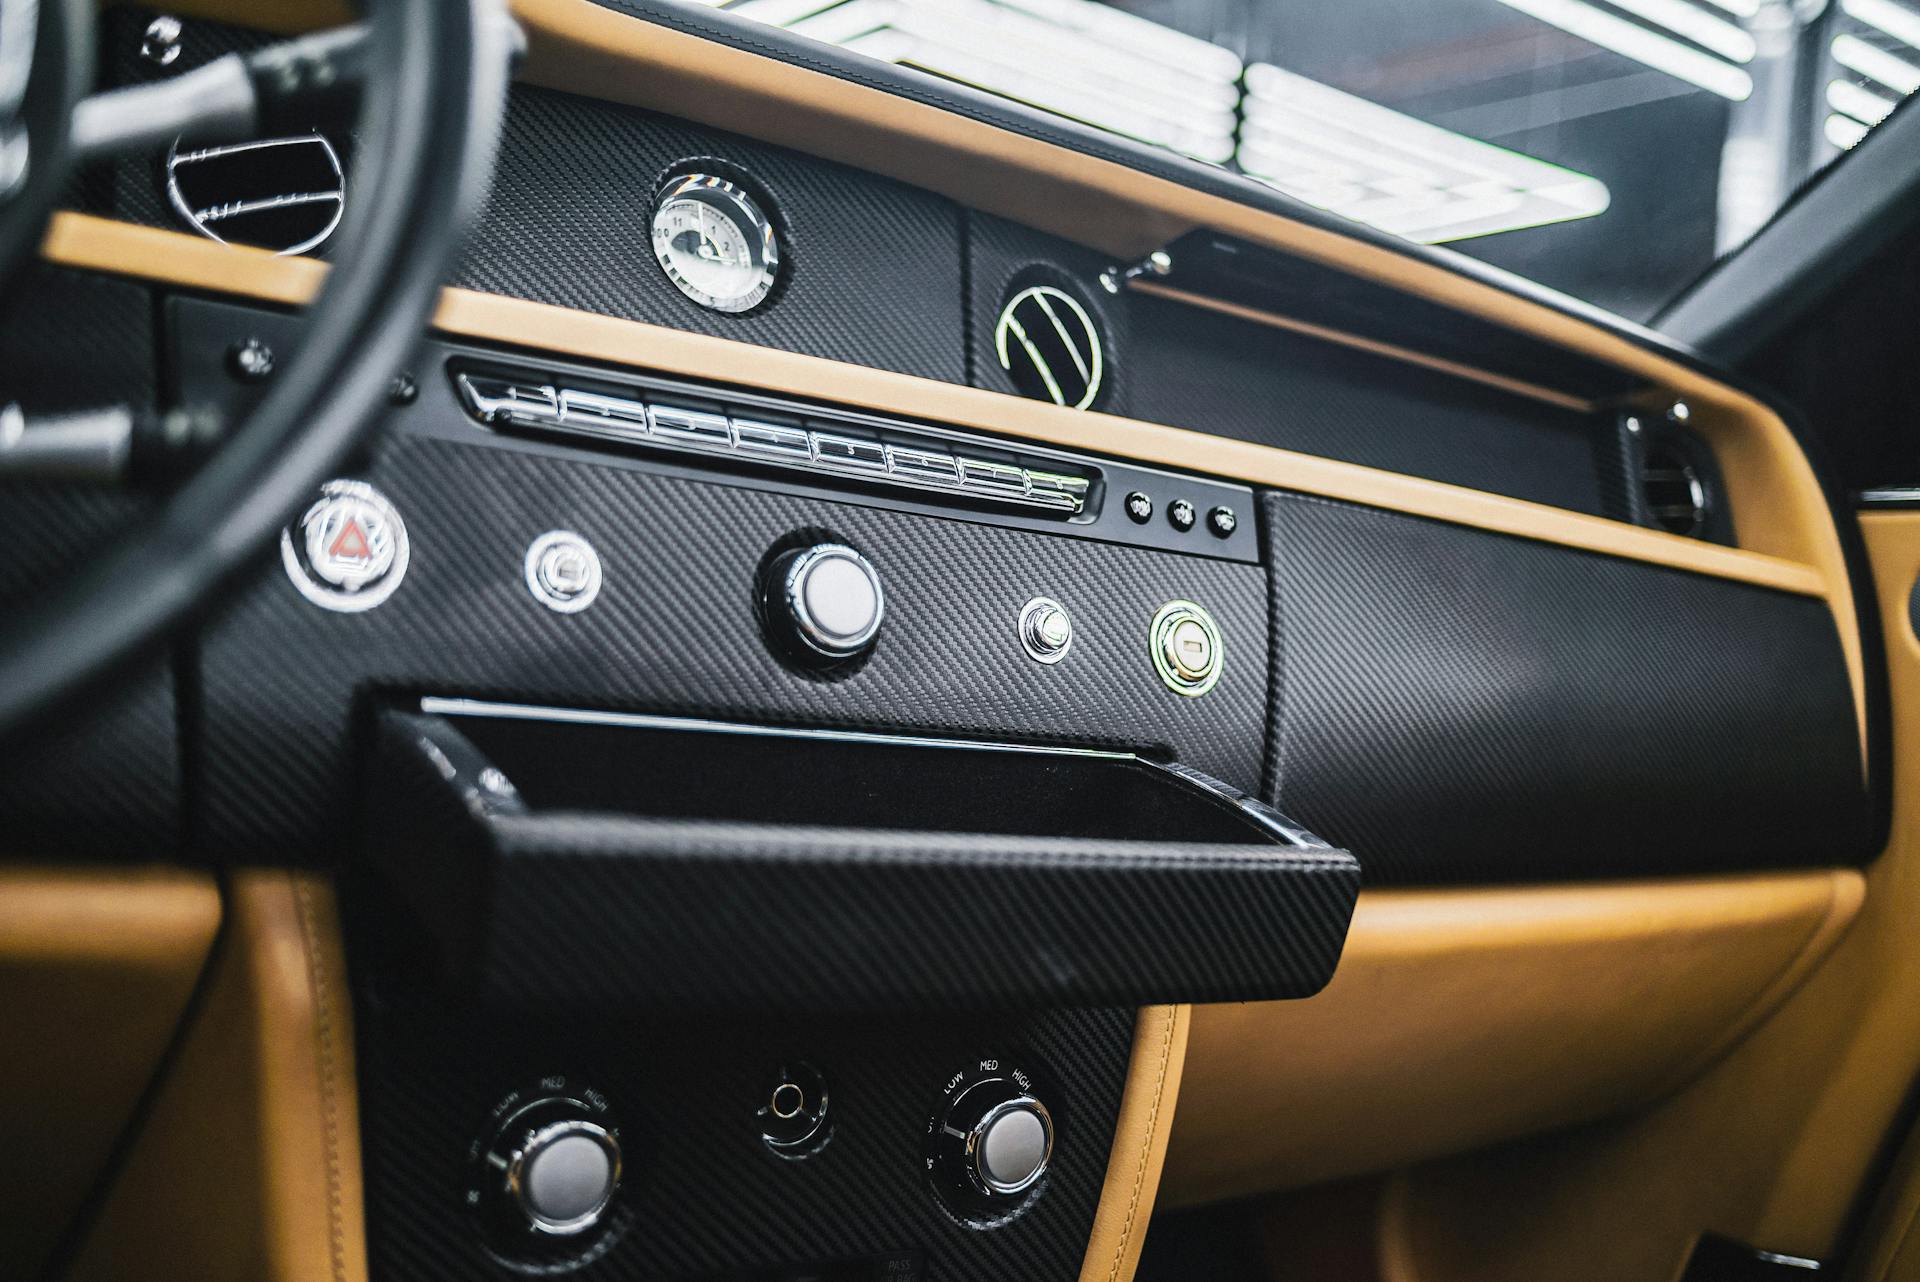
(1611, 149)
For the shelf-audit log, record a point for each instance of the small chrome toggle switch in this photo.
(1046, 632)
(563, 571)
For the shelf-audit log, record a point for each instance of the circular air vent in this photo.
(1675, 495)
(283, 194)
(1050, 347)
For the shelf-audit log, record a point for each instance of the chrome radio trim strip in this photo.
(545, 408)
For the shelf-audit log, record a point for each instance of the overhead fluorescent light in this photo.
(1394, 172)
(1867, 107)
(1891, 70)
(1663, 53)
(1727, 39)
(1075, 58)
(1208, 136)
(1898, 21)
(1844, 131)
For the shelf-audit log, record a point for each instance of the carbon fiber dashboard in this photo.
(1461, 706)
(675, 627)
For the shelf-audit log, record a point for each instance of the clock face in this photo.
(714, 243)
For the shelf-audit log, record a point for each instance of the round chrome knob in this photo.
(1009, 1147)
(829, 598)
(549, 1171)
(563, 1175)
(994, 1140)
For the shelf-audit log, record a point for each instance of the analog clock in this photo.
(714, 242)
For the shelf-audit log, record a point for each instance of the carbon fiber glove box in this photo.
(649, 864)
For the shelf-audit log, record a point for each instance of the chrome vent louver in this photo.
(282, 194)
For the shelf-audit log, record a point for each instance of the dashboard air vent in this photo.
(283, 194)
(1675, 494)
(1050, 347)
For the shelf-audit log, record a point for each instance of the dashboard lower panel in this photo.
(706, 1200)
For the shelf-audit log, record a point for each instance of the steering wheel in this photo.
(432, 76)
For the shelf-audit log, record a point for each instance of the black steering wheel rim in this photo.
(428, 122)
(61, 71)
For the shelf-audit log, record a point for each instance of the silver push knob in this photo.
(562, 1176)
(1008, 1148)
(830, 599)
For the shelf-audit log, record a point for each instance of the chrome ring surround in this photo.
(1047, 296)
(537, 551)
(1170, 616)
(325, 595)
(808, 630)
(976, 1171)
(199, 219)
(517, 1171)
(1028, 627)
(758, 225)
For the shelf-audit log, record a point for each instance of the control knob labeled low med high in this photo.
(550, 1169)
(989, 1145)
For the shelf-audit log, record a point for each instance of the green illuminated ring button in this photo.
(1186, 647)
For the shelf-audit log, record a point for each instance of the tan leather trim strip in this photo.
(1273, 320)
(96, 968)
(78, 240)
(1139, 1144)
(1459, 1018)
(248, 1169)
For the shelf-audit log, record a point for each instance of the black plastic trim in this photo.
(1834, 223)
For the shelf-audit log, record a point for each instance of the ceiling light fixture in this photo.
(1663, 53)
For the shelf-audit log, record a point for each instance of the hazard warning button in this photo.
(348, 551)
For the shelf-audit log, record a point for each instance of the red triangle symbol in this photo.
(351, 545)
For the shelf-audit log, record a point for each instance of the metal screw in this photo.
(403, 390)
(161, 43)
(250, 361)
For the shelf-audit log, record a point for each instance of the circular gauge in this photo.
(714, 243)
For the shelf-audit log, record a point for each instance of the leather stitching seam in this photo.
(1146, 1149)
(324, 1050)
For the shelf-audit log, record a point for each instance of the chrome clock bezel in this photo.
(732, 201)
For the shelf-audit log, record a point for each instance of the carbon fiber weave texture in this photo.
(544, 906)
(102, 781)
(1117, 920)
(872, 273)
(675, 630)
(1212, 373)
(708, 1201)
(1459, 706)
